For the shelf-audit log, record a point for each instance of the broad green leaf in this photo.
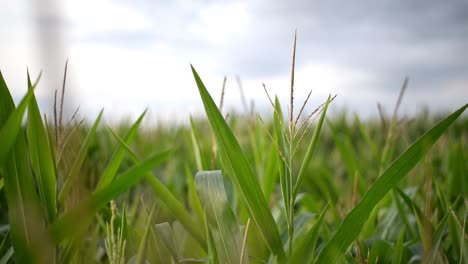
(221, 219)
(351, 226)
(111, 170)
(78, 162)
(42, 159)
(29, 239)
(166, 196)
(239, 169)
(78, 218)
(310, 149)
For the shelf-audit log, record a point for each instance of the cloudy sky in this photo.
(129, 55)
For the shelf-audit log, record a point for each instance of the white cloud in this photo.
(89, 17)
(218, 23)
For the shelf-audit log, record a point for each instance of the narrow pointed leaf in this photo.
(42, 160)
(304, 251)
(311, 149)
(78, 218)
(141, 254)
(239, 169)
(78, 162)
(351, 226)
(398, 252)
(283, 155)
(166, 196)
(111, 170)
(24, 212)
(10, 118)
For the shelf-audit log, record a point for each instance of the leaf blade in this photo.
(354, 221)
(241, 173)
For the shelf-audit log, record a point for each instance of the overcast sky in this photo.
(129, 55)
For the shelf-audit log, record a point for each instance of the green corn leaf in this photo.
(366, 137)
(212, 254)
(111, 170)
(348, 154)
(380, 252)
(398, 253)
(414, 207)
(166, 235)
(239, 169)
(199, 159)
(29, 238)
(10, 118)
(221, 219)
(351, 226)
(78, 162)
(78, 218)
(283, 153)
(42, 159)
(194, 198)
(166, 196)
(271, 172)
(311, 149)
(141, 254)
(304, 251)
(437, 237)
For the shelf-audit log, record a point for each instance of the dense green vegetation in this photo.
(232, 189)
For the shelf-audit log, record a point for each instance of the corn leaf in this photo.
(166, 235)
(78, 162)
(29, 240)
(221, 219)
(398, 252)
(351, 226)
(111, 170)
(166, 196)
(10, 118)
(42, 159)
(311, 148)
(78, 218)
(283, 156)
(304, 250)
(239, 169)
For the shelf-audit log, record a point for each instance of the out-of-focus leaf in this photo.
(221, 219)
(78, 162)
(111, 170)
(351, 226)
(78, 218)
